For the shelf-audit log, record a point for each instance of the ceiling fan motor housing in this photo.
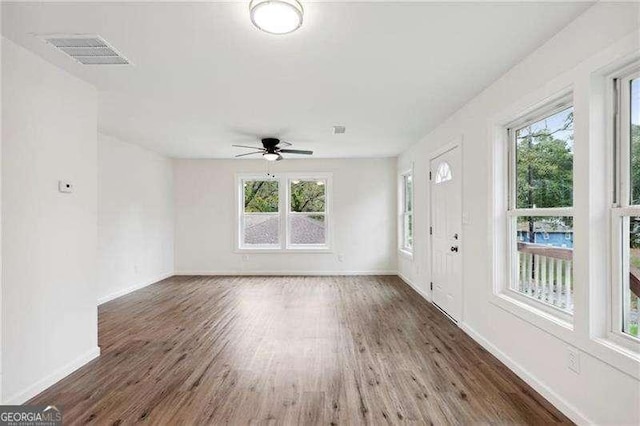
(270, 144)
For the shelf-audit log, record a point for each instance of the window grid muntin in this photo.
(289, 213)
(513, 212)
(406, 214)
(622, 208)
(244, 214)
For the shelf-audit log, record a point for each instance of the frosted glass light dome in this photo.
(276, 16)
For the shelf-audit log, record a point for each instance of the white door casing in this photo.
(446, 232)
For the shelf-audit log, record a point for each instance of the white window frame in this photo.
(284, 212)
(404, 213)
(240, 180)
(327, 184)
(512, 212)
(621, 207)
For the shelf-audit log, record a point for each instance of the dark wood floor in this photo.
(289, 350)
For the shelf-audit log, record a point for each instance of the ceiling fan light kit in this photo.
(271, 156)
(276, 16)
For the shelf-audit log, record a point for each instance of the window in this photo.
(307, 212)
(289, 212)
(260, 220)
(540, 209)
(406, 244)
(626, 209)
(443, 173)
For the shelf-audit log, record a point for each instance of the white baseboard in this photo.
(548, 393)
(59, 374)
(414, 286)
(284, 273)
(133, 288)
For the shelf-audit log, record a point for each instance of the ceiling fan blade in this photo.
(245, 146)
(280, 157)
(296, 151)
(283, 143)
(249, 153)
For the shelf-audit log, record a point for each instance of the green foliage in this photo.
(634, 222)
(635, 164)
(307, 196)
(260, 196)
(544, 167)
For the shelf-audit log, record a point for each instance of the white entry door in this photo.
(446, 224)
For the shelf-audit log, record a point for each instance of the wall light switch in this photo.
(245, 257)
(341, 257)
(65, 187)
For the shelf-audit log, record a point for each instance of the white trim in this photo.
(589, 336)
(619, 118)
(283, 213)
(131, 289)
(548, 393)
(556, 400)
(51, 379)
(284, 273)
(504, 208)
(406, 251)
(414, 286)
(456, 143)
(406, 254)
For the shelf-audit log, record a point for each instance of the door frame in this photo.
(457, 142)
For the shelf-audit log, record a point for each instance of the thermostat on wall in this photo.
(65, 187)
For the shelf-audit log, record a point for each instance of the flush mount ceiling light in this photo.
(276, 16)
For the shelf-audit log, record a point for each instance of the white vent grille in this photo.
(88, 50)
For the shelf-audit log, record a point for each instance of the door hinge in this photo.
(429, 175)
(431, 286)
(431, 230)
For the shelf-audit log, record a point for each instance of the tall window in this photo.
(406, 243)
(260, 219)
(307, 212)
(626, 210)
(289, 212)
(541, 208)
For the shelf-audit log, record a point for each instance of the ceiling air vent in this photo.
(88, 50)
(338, 130)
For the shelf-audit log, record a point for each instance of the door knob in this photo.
(454, 248)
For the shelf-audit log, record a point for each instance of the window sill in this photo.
(555, 323)
(290, 250)
(405, 253)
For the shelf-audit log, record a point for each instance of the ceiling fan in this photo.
(272, 148)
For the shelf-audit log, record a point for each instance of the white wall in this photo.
(135, 217)
(49, 321)
(363, 207)
(607, 390)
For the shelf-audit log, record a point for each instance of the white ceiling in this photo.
(203, 76)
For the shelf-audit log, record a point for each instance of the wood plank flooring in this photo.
(289, 350)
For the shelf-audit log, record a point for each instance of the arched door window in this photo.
(443, 173)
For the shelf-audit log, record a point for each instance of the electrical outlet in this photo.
(245, 257)
(341, 257)
(573, 360)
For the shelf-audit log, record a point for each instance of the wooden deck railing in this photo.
(546, 273)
